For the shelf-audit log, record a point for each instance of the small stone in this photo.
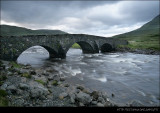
(95, 94)
(107, 99)
(107, 104)
(50, 77)
(66, 85)
(23, 86)
(100, 99)
(63, 95)
(100, 105)
(12, 88)
(80, 87)
(32, 72)
(49, 86)
(72, 100)
(86, 91)
(94, 102)
(81, 104)
(23, 79)
(112, 95)
(62, 79)
(4, 86)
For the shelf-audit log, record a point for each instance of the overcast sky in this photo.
(103, 18)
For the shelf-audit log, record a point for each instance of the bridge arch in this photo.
(85, 46)
(51, 51)
(106, 47)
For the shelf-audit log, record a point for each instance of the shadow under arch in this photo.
(106, 48)
(85, 46)
(51, 51)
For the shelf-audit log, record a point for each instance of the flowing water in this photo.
(126, 75)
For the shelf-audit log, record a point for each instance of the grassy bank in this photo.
(76, 46)
(146, 37)
(150, 42)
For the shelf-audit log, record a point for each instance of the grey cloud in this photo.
(88, 16)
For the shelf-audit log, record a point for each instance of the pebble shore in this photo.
(26, 86)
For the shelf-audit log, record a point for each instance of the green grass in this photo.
(76, 46)
(55, 83)
(41, 82)
(143, 42)
(27, 75)
(3, 99)
(16, 65)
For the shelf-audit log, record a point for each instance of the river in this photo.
(124, 76)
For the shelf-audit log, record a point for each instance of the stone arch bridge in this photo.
(57, 45)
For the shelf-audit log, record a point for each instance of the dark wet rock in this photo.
(32, 72)
(56, 77)
(80, 87)
(62, 79)
(95, 95)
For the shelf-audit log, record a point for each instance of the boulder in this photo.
(83, 97)
(38, 92)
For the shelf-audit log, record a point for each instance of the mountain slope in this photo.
(7, 30)
(146, 37)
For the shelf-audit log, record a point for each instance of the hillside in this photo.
(146, 37)
(7, 30)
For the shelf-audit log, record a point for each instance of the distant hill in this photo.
(7, 30)
(146, 37)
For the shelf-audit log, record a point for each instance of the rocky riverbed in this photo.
(43, 87)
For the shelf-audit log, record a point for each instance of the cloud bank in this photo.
(103, 18)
